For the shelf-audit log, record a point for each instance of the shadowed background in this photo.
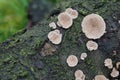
(18, 14)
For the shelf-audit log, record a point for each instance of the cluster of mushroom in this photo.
(55, 36)
(65, 20)
(93, 26)
(108, 63)
(72, 61)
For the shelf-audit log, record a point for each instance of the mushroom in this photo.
(52, 25)
(91, 45)
(114, 73)
(119, 21)
(73, 13)
(65, 20)
(83, 78)
(72, 61)
(57, 31)
(83, 56)
(100, 77)
(117, 65)
(93, 26)
(78, 79)
(108, 63)
(79, 75)
(58, 23)
(55, 37)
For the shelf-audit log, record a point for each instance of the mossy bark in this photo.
(20, 56)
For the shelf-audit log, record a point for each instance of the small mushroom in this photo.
(65, 20)
(83, 56)
(78, 79)
(108, 63)
(72, 13)
(91, 45)
(52, 25)
(100, 77)
(58, 23)
(119, 21)
(83, 78)
(55, 37)
(117, 65)
(114, 73)
(72, 61)
(58, 31)
(79, 75)
(93, 25)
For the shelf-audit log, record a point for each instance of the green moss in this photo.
(22, 52)
(88, 61)
(32, 69)
(22, 73)
(12, 18)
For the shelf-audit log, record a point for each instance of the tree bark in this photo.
(25, 56)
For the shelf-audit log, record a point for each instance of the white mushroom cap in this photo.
(108, 63)
(114, 73)
(52, 25)
(78, 79)
(119, 21)
(55, 37)
(93, 26)
(79, 75)
(117, 65)
(83, 56)
(58, 23)
(83, 78)
(100, 77)
(65, 20)
(72, 13)
(72, 61)
(91, 45)
(110, 66)
(58, 31)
